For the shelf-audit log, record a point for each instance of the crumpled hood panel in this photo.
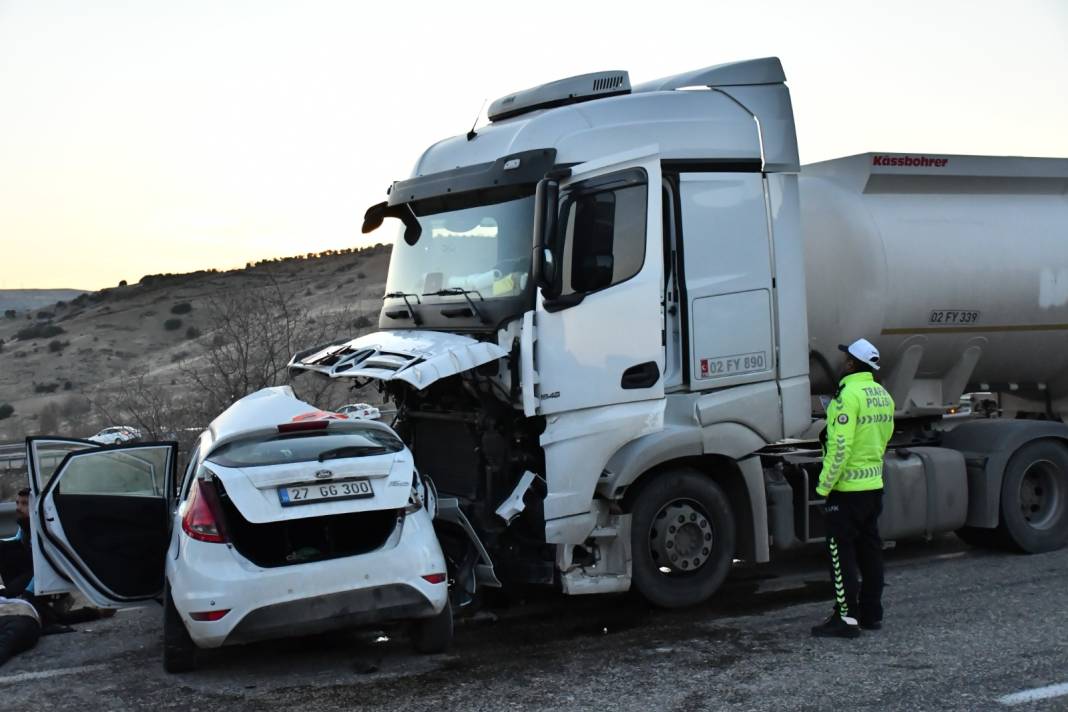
(418, 358)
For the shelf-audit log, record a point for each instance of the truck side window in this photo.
(604, 241)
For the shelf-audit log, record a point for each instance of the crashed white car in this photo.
(287, 521)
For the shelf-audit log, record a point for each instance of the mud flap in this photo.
(472, 567)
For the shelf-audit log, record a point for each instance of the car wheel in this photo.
(682, 538)
(1034, 497)
(433, 635)
(179, 650)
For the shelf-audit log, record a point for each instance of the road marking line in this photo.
(22, 676)
(1039, 693)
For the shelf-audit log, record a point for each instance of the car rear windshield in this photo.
(305, 447)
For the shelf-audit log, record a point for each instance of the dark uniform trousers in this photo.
(853, 541)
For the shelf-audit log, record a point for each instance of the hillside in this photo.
(29, 299)
(69, 367)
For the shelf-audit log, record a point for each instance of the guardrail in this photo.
(13, 456)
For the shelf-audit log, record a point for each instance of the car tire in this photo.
(179, 650)
(703, 539)
(1034, 497)
(433, 635)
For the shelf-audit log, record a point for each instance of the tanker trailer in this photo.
(956, 267)
(957, 270)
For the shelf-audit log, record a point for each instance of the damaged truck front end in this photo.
(457, 410)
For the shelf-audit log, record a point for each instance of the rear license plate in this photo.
(321, 491)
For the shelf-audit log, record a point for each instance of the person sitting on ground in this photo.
(16, 569)
(16, 559)
(20, 627)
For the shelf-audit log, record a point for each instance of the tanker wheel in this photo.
(682, 538)
(1034, 497)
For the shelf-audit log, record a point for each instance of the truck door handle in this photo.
(644, 375)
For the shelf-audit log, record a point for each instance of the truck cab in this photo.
(596, 332)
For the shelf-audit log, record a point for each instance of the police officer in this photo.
(860, 421)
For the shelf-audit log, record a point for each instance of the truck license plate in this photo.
(317, 492)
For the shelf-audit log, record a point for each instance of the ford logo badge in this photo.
(323, 474)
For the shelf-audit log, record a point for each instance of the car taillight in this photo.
(434, 578)
(209, 615)
(203, 516)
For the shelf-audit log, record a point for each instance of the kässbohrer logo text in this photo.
(909, 161)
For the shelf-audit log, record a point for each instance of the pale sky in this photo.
(166, 136)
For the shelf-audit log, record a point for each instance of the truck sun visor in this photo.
(523, 168)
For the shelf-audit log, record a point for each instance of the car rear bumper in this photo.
(345, 609)
(382, 585)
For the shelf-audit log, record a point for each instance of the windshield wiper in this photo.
(458, 291)
(404, 295)
(352, 451)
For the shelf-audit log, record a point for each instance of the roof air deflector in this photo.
(766, 70)
(583, 87)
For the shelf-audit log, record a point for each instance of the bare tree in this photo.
(158, 410)
(251, 336)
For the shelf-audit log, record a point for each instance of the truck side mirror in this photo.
(372, 220)
(546, 198)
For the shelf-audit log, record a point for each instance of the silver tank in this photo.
(956, 267)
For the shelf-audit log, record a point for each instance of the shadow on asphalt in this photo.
(520, 625)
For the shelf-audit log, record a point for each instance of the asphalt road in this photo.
(964, 628)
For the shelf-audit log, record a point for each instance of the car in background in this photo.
(365, 411)
(116, 435)
(287, 521)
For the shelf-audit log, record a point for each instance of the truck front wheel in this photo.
(1034, 497)
(682, 538)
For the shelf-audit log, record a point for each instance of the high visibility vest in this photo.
(860, 421)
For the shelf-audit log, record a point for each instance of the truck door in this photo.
(102, 520)
(601, 342)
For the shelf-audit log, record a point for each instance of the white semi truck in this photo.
(611, 313)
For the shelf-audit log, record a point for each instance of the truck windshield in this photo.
(484, 249)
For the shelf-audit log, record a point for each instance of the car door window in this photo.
(47, 456)
(132, 473)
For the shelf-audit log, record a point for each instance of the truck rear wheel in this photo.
(682, 538)
(1034, 497)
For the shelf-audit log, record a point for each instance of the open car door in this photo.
(43, 456)
(103, 520)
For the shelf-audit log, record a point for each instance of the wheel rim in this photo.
(1041, 494)
(681, 538)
